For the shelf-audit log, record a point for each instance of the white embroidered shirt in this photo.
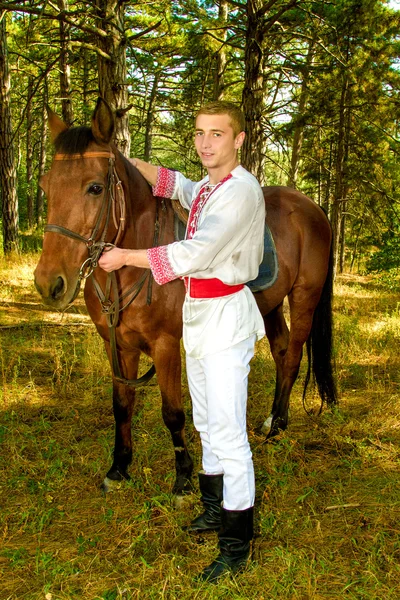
(224, 241)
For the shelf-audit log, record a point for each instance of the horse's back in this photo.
(283, 201)
(291, 215)
(302, 237)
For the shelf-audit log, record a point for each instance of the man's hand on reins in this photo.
(115, 258)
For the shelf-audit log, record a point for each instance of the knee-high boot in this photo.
(211, 496)
(234, 544)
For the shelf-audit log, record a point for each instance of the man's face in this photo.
(215, 141)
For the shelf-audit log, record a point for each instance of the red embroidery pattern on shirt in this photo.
(160, 265)
(165, 183)
(198, 205)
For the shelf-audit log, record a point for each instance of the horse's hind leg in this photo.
(302, 303)
(278, 337)
(167, 360)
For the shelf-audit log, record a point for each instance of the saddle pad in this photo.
(268, 271)
(179, 229)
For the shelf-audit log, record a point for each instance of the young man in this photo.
(221, 322)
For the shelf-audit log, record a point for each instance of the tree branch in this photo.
(61, 16)
(277, 15)
(270, 4)
(90, 47)
(141, 33)
(237, 4)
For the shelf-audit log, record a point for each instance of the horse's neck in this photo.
(140, 209)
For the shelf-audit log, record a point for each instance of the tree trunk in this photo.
(87, 109)
(29, 155)
(355, 246)
(299, 119)
(345, 186)
(8, 176)
(326, 204)
(253, 154)
(148, 136)
(112, 70)
(319, 193)
(340, 194)
(220, 57)
(65, 71)
(342, 241)
(254, 90)
(42, 160)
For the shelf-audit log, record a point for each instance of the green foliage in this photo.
(330, 79)
(31, 241)
(387, 257)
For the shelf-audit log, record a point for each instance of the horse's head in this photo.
(79, 188)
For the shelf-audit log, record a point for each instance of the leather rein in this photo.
(112, 304)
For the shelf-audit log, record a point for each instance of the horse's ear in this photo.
(56, 125)
(103, 122)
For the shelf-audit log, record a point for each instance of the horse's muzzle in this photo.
(53, 291)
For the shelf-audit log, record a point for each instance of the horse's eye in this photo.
(95, 189)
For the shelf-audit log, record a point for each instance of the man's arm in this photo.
(148, 170)
(114, 259)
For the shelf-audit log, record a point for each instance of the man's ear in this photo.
(239, 140)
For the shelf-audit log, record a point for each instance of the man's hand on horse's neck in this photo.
(146, 169)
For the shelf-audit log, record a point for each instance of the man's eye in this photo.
(95, 189)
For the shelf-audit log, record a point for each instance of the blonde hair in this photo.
(222, 107)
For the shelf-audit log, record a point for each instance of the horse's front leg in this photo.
(123, 405)
(167, 360)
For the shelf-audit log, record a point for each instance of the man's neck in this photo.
(217, 175)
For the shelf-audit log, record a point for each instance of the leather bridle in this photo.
(95, 248)
(112, 304)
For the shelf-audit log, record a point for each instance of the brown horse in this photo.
(96, 197)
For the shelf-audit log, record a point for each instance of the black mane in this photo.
(74, 140)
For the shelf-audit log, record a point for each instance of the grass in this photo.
(328, 490)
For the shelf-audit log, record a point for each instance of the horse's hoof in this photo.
(110, 485)
(266, 426)
(180, 501)
(184, 501)
(183, 486)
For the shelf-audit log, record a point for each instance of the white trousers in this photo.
(218, 388)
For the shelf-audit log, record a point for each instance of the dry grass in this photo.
(328, 491)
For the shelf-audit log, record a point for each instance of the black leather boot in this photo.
(211, 497)
(234, 544)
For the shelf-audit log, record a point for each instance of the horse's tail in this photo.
(320, 344)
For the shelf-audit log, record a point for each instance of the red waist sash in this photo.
(209, 288)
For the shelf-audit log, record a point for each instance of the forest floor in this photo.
(328, 489)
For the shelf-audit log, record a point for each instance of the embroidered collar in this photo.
(199, 203)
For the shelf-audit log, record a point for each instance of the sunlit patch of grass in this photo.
(17, 274)
(327, 497)
(367, 335)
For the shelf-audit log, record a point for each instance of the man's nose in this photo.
(206, 141)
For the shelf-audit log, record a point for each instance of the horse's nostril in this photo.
(58, 288)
